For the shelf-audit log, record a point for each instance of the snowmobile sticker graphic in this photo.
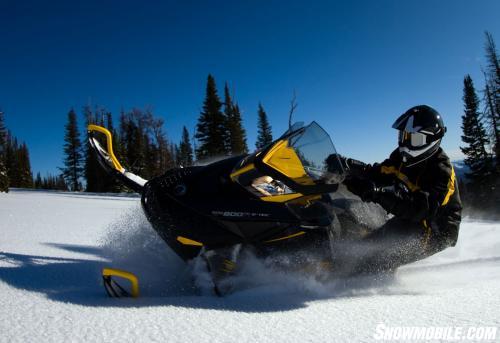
(240, 214)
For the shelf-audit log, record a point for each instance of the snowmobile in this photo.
(274, 201)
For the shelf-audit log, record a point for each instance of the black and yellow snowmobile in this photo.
(275, 200)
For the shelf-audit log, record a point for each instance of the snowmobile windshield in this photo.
(313, 147)
(294, 163)
(295, 127)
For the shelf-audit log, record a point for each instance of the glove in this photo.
(352, 166)
(363, 188)
(356, 167)
(336, 162)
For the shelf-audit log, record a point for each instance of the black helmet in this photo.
(421, 129)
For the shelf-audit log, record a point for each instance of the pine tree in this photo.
(92, 171)
(264, 135)
(110, 183)
(493, 120)
(174, 152)
(228, 115)
(185, 156)
(492, 94)
(132, 142)
(136, 143)
(239, 142)
(474, 135)
(493, 59)
(38, 181)
(236, 142)
(60, 183)
(72, 170)
(4, 178)
(12, 161)
(211, 127)
(26, 176)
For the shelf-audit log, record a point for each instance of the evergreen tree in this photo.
(111, 184)
(239, 135)
(4, 178)
(72, 170)
(60, 183)
(493, 60)
(185, 156)
(174, 152)
(136, 143)
(236, 143)
(12, 161)
(92, 171)
(211, 127)
(50, 182)
(492, 94)
(474, 135)
(38, 181)
(264, 135)
(26, 176)
(96, 178)
(18, 163)
(493, 120)
(228, 114)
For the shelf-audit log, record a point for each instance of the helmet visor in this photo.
(412, 139)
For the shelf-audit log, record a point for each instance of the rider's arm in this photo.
(419, 204)
(413, 206)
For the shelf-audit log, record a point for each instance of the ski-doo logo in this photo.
(239, 214)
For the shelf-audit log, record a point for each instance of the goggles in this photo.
(412, 139)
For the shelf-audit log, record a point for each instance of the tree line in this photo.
(481, 134)
(142, 146)
(140, 143)
(15, 166)
(220, 131)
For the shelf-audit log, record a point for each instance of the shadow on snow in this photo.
(78, 281)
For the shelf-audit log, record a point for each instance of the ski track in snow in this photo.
(53, 246)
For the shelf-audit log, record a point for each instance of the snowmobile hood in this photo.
(292, 166)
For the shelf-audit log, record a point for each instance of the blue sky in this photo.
(354, 65)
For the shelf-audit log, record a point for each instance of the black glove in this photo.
(352, 166)
(336, 162)
(356, 168)
(363, 188)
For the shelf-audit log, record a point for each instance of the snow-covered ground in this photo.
(53, 246)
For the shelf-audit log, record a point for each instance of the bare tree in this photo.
(293, 106)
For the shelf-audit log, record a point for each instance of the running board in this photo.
(110, 163)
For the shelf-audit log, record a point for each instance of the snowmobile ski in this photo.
(114, 289)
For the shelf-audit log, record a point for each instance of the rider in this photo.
(417, 184)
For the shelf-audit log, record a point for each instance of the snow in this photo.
(53, 246)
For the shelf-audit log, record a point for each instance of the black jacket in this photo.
(426, 193)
